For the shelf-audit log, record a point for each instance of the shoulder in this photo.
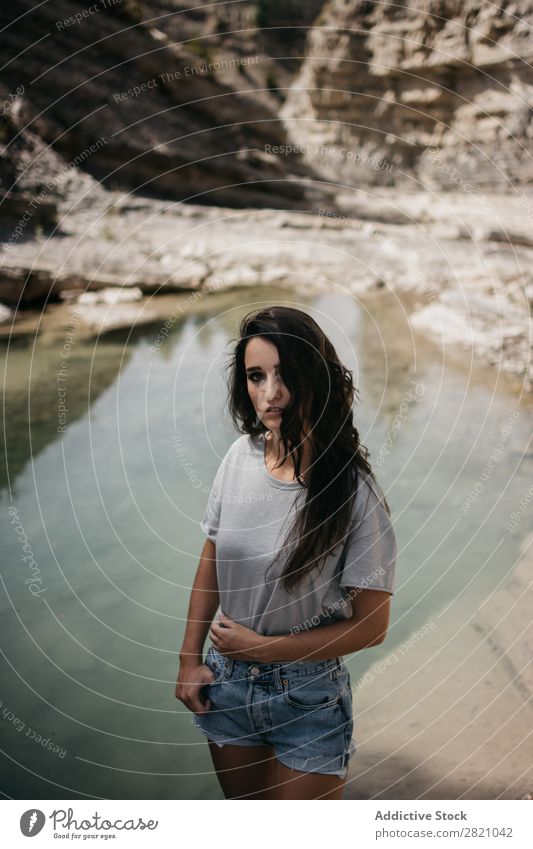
(369, 499)
(241, 445)
(238, 448)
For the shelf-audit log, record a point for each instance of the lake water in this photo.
(110, 509)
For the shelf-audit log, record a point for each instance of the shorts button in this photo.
(254, 670)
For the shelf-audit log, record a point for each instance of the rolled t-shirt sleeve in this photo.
(371, 548)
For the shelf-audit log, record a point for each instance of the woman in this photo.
(273, 696)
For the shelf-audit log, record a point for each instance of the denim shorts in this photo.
(302, 709)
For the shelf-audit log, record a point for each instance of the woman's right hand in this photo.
(191, 678)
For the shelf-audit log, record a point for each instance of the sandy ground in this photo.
(452, 718)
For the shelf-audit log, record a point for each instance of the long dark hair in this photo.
(323, 387)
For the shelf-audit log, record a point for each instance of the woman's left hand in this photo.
(237, 641)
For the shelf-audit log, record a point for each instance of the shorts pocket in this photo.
(218, 664)
(311, 693)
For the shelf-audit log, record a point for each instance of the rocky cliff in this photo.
(182, 100)
(163, 98)
(437, 91)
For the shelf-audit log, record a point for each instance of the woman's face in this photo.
(265, 386)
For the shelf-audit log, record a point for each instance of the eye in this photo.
(256, 376)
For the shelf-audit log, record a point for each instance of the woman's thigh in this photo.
(244, 772)
(293, 784)
(252, 772)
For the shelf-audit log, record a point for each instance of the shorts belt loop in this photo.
(276, 675)
(337, 669)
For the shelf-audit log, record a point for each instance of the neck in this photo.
(275, 449)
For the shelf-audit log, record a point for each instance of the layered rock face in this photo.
(433, 90)
(168, 99)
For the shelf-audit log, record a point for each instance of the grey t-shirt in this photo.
(248, 515)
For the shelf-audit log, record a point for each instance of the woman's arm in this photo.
(193, 673)
(367, 627)
(202, 606)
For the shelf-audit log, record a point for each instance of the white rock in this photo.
(6, 314)
(448, 325)
(112, 295)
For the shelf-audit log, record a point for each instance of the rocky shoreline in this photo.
(468, 260)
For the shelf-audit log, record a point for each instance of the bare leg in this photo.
(293, 784)
(244, 772)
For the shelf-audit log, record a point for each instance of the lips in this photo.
(273, 410)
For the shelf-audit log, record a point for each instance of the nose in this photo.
(272, 389)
